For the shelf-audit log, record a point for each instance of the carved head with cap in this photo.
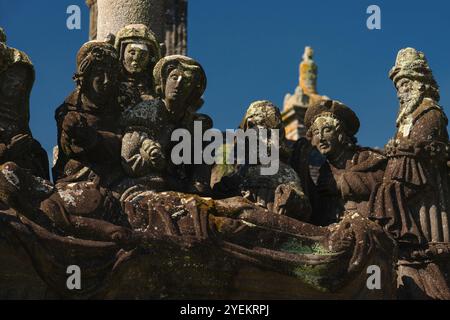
(331, 127)
(413, 80)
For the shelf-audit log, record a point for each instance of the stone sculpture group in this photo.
(139, 226)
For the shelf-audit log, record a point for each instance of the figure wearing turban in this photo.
(413, 201)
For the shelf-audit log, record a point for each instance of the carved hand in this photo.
(288, 201)
(151, 152)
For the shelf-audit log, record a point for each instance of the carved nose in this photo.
(178, 82)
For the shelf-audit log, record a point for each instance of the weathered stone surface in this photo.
(351, 172)
(174, 27)
(200, 248)
(93, 16)
(138, 51)
(140, 225)
(305, 95)
(116, 14)
(414, 199)
(281, 192)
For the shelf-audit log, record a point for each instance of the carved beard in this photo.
(408, 107)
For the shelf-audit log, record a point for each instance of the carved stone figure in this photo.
(145, 139)
(16, 141)
(88, 138)
(89, 162)
(169, 240)
(180, 83)
(413, 202)
(282, 192)
(238, 249)
(145, 148)
(351, 173)
(138, 53)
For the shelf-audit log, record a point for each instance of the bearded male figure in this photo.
(413, 200)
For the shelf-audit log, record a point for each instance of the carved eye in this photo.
(327, 129)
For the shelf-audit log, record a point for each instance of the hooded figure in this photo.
(138, 51)
(88, 164)
(413, 202)
(88, 121)
(351, 172)
(16, 141)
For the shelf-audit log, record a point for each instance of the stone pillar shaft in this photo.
(115, 14)
(167, 18)
(92, 4)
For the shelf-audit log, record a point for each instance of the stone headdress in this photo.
(95, 51)
(267, 115)
(168, 64)
(264, 113)
(138, 33)
(412, 64)
(334, 109)
(8, 58)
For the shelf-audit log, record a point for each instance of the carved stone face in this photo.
(178, 88)
(325, 135)
(14, 83)
(136, 58)
(100, 82)
(410, 93)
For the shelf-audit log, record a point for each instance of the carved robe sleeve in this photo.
(82, 141)
(358, 182)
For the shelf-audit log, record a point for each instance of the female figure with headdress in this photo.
(180, 83)
(138, 51)
(146, 146)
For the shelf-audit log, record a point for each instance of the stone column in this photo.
(115, 14)
(167, 18)
(176, 27)
(93, 12)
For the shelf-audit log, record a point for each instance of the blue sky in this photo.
(251, 49)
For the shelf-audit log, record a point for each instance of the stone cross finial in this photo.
(308, 72)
